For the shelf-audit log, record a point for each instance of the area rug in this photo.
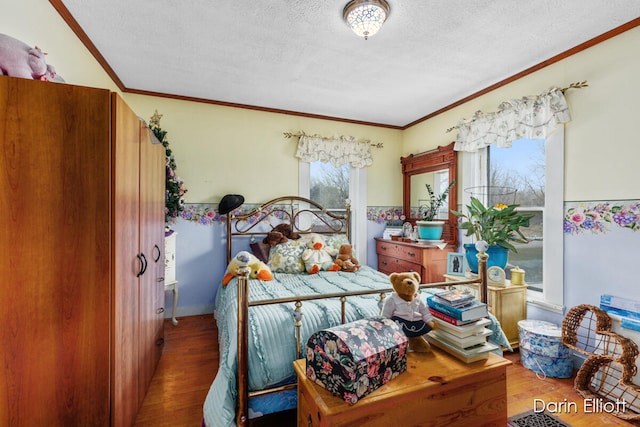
(536, 419)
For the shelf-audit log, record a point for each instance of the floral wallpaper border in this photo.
(207, 213)
(580, 217)
(600, 216)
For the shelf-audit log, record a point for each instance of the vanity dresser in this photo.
(436, 168)
(428, 260)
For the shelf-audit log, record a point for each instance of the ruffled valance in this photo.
(338, 150)
(532, 118)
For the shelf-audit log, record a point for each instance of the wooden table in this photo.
(436, 390)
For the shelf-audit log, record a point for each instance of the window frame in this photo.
(475, 167)
(358, 198)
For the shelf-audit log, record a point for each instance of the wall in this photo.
(221, 150)
(37, 23)
(601, 153)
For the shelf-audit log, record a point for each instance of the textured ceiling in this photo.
(298, 55)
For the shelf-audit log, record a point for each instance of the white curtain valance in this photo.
(532, 118)
(338, 150)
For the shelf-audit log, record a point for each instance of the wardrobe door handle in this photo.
(157, 248)
(143, 264)
(146, 263)
(139, 256)
(160, 310)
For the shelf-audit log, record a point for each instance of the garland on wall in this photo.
(174, 186)
(580, 217)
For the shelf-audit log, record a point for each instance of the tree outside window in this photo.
(329, 185)
(523, 167)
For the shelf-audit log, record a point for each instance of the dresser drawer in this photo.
(387, 248)
(409, 253)
(388, 265)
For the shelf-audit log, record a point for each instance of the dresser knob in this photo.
(411, 253)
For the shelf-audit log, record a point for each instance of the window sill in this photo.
(536, 298)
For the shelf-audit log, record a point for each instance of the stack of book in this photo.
(461, 321)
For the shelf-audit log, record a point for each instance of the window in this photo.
(330, 187)
(536, 169)
(521, 168)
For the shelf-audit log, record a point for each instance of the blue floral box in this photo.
(542, 351)
(356, 358)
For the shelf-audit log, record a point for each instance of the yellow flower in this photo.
(501, 206)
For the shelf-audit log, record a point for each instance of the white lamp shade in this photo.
(365, 17)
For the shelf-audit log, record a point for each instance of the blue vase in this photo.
(498, 256)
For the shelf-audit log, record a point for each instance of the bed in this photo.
(262, 325)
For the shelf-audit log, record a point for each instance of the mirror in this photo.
(438, 180)
(436, 168)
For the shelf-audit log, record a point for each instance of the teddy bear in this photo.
(409, 310)
(318, 256)
(281, 233)
(274, 238)
(346, 260)
(259, 270)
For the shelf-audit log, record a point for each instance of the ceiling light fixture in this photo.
(365, 17)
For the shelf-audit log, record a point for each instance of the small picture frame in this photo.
(456, 264)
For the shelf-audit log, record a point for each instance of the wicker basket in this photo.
(608, 372)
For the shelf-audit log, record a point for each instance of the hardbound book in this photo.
(625, 307)
(455, 297)
(465, 342)
(468, 355)
(476, 327)
(474, 311)
(446, 318)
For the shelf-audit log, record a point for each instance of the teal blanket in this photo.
(272, 337)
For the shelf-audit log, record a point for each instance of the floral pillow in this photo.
(287, 257)
(335, 241)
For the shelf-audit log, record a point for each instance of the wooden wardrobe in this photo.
(81, 256)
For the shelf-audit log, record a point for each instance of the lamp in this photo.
(365, 17)
(230, 202)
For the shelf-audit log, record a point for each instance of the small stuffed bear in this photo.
(274, 238)
(259, 270)
(281, 233)
(409, 310)
(319, 256)
(346, 260)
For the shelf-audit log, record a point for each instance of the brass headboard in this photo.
(303, 215)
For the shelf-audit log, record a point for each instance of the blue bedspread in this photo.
(272, 341)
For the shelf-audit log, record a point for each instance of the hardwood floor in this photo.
(190, 361)
(186, 370)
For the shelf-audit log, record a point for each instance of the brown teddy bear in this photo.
(274, 238)
(346, 260)
(281, 233)
(409, 310)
